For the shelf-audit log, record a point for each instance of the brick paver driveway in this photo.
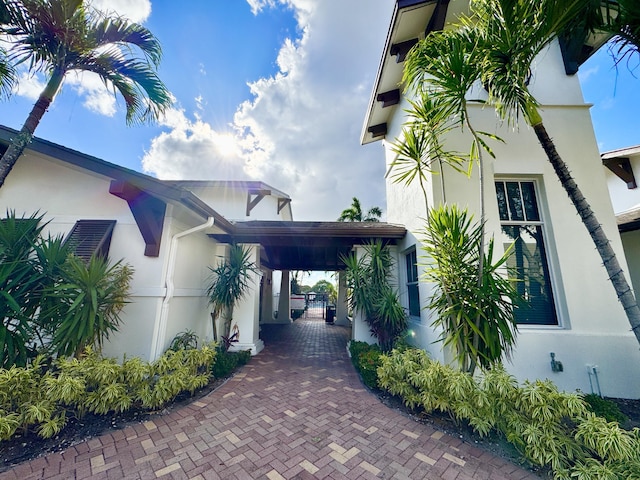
(297, 410)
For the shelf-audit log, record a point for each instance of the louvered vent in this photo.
(91, 237)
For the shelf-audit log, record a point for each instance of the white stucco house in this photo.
(171, 232)
(575, 315)
(161, 228)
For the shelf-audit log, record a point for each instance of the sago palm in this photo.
(60, 36)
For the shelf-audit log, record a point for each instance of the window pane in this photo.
(414, 300)
(528, 267)
(412, 267)
(515, 202)
(502, 201)
(530, 204)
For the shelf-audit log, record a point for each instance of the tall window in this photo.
(523, 227)
(412, 283)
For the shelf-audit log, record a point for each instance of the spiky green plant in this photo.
(90, 301)
(230, 281)
(372, 294)
(476, 318)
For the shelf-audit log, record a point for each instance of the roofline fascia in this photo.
(399, 5)
(153, 186)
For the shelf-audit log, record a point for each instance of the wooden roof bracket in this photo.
(257, 196)
(283, 202)
(148, 212)
(400, 50)
(379, 130)
(621, 167)
(392, 97)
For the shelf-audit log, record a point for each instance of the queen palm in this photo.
(60, 36)
(354, 213)
(508, 35)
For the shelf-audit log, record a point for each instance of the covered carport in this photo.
(310, 246)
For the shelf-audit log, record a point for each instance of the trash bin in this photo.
(330, 314)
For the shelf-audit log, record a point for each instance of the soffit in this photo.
(309, 245)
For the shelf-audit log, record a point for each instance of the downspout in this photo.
(170, 288)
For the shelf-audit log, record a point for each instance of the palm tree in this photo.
(508, 35)
(7, 73)
(354, 213)
(59, 36)
(626, 29)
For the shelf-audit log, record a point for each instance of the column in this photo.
(246, 313)
(360, 330)
(284, 308)
(266, 309)
(342, 311)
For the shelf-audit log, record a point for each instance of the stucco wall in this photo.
(624, 198)
(593, 328)
(66, 194)
(231, 202)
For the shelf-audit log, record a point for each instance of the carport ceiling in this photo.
(308, 245)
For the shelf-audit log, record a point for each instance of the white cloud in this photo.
(30, 86)
(192, 149)
(96, 97)
(135, 10)
(300, 132)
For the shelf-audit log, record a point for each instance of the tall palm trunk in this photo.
(616, 275)
(18, 145)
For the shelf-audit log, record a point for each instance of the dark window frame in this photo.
(521, 219)
(413, 281)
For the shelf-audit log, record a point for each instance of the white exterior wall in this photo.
(66, 194)
(624, 198)
(188, 308)
(231, 203)
(593, 327)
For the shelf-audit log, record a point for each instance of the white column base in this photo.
(254, 347)
(344, 321)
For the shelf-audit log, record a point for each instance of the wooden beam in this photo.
(283, 202)
(400, 50)
(392, 97)
(379, 130)
(148, 212)
(621, 167)
(439, 16)
(254, 197)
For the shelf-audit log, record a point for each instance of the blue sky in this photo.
(271, 90)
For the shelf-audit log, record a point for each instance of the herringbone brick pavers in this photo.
(296, 411)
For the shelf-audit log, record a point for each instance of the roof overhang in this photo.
(309, 245)
(629, 221)
(619, 162)
(412, 20)
(122, 177)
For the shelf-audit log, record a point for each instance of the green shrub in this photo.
(243, 357)
(549, 427)
(39, 398)
(184, 340)
(369, 363)
(605, 408)
(366, 360)
(226, 361)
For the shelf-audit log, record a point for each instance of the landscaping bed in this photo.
(20, 448)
